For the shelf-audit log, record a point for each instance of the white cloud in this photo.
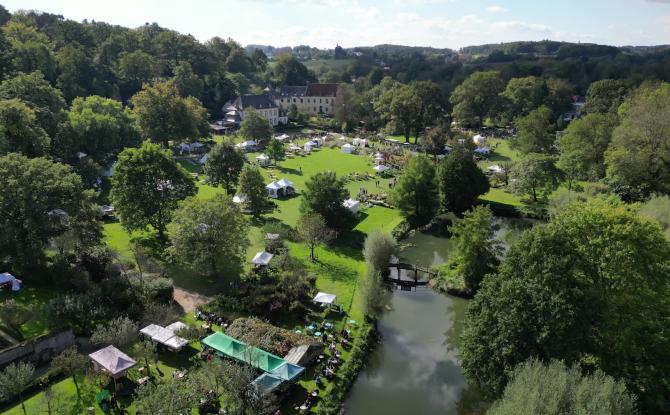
(496, 9)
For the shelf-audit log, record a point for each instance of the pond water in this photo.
(415, 369)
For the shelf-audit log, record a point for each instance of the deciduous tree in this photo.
(534, 175)
(14, 379)
(460, 181)
(313, 231)
(252, 187)
(535, 131)
(70, 362)
(20, 131)
(255, 127)
(416, 192)
(324, 194)
(224, 165)
(477, 98)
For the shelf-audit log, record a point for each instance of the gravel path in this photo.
(189, 300)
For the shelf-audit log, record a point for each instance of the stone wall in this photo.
(39, 350)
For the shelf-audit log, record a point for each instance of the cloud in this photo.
(496, 9)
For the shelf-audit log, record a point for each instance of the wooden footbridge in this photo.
(409, 283)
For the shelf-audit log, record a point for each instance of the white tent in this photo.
(348, 148)
(352, 205)
(479, 139)
(204, 159)
(177, 325)
(196, 146)
(293, 147)
(262, 259)
(247, 145)
(325, 298)
(273, 189)
(166, 335)
(379, 159)
(380, 168)
(263, 160)
(361, 142)
(282, 138)
(284, 183)
(496, 169)
(7, 278)
(239, 199)
(307, 148)
(184, 147)
(113, 361)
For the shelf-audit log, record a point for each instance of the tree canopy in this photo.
(325, 194)
(416, 191)
(20, 131)
(535, 131)
(255, 127)
(477, 98)
(224, 165)
(460, 181)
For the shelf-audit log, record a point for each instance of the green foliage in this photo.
(70, 362)
(31, 189)
(255, 126)
(119, 332)
(20, 131)
(313, 231)
(224, 165)
(523, 95)
(163, 115)
(187, 82)
(14, 379)
(39, 95)
(276, 151)
(252, 186)
(535, 132)
(536, 388)
(289, 71)
(146, 187)
(258, 333)
(460, 181)
(324, 194)
(435, 139)
(534, 175)
(166, 397)
(589, 287)
(377, 250)
(416, 192)
(658, 209)
(401, 104)
(605, 96)
(477, 250)
(635, 160)
(477, 98)
(209, 235)
(102, 127)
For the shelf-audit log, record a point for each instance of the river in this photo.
(415, 369)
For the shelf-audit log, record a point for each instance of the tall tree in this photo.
(209, 235)
(39, 95)
(477, 249)
(14, 379)
(313, 231)
(276, 151)
(20, 131)
(252, 187)
(435, 139)
(187, 82)
(224, 165)
(102, 127)
(535, 131)
(605, 96)
(70, 362)
(536, 388)
(289, 71)
(523, 95)
(534, 175)
(430, 105)
(416, 192)
(590, 287)
(636, 159)
(163, 115)
(583, 145)
(325, 194)
(460, 181)
(146, 187)
(477, 98)
(42, 200)
(402, 105)
(255, 127)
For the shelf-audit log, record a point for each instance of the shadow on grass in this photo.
(288, 170)
(349, 244)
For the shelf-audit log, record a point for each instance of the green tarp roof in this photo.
(236, 349)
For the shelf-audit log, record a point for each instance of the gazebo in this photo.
(287, 186)
(274, 190)
(113, 361)
(325, 299)
(166, 335)
(263, 160)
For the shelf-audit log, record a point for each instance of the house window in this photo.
(314, 109)
(319, 100)
(282, 100)
(295, 100)
(326, 100)
(301, 100)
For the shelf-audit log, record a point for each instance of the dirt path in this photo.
(189, 300)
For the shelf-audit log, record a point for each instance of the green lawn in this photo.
(35, 300)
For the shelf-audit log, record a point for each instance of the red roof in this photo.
(321, 90)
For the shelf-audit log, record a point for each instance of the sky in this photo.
(349, 23)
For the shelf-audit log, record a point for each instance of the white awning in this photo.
(284, 183)
(262, 157)
(325, 298)
(262, 258)
(273, 186)
(380, 168)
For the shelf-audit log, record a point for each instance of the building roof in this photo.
(112, 360)
(262, 258)
(261, 101)
(292, 91)
(322, 90)
(324, 298)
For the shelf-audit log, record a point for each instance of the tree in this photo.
(146, 187)
(536, 388)
(400, 104)
(224, 165)
(255, 127)
(118, 332)
(145, 350)
(289, 71)
(187, 82)
(39, 95)
(135, 68)
(252, 187)
(534, 174)
(416, 192)
(276, 151)
(589, 287)
(163, 115)
(30, 50)
(209, 235)
(313, 231)
(477, 249)
(477, 98)
(325, 194)
(523, 95)
(70, 362)
(636, 158)
(20, 131)
(377, 250)
(434, 140)
(535, 132)
(166, 397)
(15, 379)
(42, 200)
(102, 127)
(460, 181)
(76, 72)
(583, 145)
(605, 96)
(430, 104)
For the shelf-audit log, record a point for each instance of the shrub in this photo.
(118, 332)
(265, 336)
(157, 289)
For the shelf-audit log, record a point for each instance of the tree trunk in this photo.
(76, 385)
(23, 404)
(534, 195)
(311, 252)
